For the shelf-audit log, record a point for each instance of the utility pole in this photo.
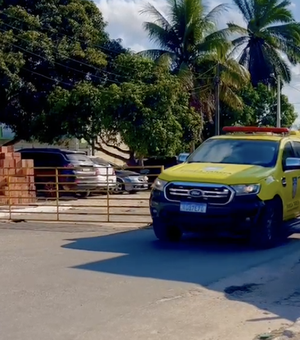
(278, 116)
(217, 101)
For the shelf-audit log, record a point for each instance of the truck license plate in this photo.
(193, 207)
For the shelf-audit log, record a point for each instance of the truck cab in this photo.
(243, 182)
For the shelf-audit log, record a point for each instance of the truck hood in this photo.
(216, 173)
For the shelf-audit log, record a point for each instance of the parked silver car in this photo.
(106, 176)
(130, 181)
(126, 180)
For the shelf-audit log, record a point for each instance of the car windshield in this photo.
(99, 161)
(78, 157)
(236, 151)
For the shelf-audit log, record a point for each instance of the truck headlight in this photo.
(246, 189)
(159, 184)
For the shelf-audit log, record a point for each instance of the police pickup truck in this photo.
(243, 182)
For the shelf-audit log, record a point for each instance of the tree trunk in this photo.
(93, 147)
(141, 161)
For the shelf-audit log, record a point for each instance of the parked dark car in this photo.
(76, 175)
(127, 181)
(153, 166)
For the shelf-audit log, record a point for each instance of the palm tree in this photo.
(188, 38)
(271, 33)
(233, 77)
(186, 34)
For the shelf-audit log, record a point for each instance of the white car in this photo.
(106, 176)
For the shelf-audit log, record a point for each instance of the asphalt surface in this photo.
(85, 282)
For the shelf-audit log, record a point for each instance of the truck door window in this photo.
(288, 151)
(296, 146)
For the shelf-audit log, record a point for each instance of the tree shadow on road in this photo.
(201, 262)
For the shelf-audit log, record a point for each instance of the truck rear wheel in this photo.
(268, 231)
(165, 232)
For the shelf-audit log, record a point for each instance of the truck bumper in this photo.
(237, 216)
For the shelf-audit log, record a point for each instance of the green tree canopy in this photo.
(150, 113)
(48, 43)
(260, 107)
(189, 39)
(270, 32)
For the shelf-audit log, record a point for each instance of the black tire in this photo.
(166, 233)
(268, 232)
(119, 188)
(83, 194)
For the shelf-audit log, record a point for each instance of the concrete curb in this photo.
(290, 333)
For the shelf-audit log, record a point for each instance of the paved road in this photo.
(67, 282)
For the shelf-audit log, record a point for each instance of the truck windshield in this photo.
(236, 151)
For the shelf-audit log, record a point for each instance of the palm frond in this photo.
(280, 66)
(237, 44)
(159, 35)
(245, 8)
(276, 13)
(230, 98)
(155, 54)
(215, 14)
(234, 28)
(160, 20)
(186, 76)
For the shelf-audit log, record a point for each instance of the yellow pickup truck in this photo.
(244, 182)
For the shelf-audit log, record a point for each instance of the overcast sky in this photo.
(125, 22)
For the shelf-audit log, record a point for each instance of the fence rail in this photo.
(57, 194)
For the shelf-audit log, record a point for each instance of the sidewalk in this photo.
(291, 333)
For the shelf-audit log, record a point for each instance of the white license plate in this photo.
(86, 169)
(193, 207)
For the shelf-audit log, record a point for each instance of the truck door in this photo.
(296, 178)
(289, 181)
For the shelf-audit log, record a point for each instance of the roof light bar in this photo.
(253, 129)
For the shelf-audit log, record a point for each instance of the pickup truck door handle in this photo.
(283, 181)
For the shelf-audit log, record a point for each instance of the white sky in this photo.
(125, 22)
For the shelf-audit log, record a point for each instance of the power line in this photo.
(68, 67)
(69, 58)
(293, 87)
(67, 36)
(43, 76)
(82, 41)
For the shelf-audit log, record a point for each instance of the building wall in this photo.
(113, 159)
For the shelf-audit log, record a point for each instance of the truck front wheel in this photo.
(165, 232)
(268, 230)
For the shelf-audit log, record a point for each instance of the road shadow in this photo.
(194, 260)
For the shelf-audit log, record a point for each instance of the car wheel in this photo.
(165, 232)
(83, 194)
(119, 188)
(49, 189)
(268, 231)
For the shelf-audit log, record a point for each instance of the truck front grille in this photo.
(199, 192)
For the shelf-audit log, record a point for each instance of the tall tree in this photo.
(189, 39)
(270, 32)
(149, 113)
(57, 43)
(185, 34)
(260, 107)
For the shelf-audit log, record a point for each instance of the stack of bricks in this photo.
(16, 178)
